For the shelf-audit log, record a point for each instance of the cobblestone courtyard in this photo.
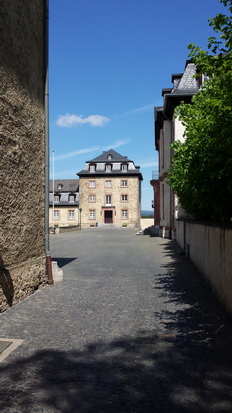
(133, 328)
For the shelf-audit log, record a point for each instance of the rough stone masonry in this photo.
(22, 76)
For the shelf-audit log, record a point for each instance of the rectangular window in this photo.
(71, 214)
(108, 168)
(92, 168)
(124, 198)
(108, 199)
(92, 184)
(92, 214)
(108, 184)
(124, 167)
(124, 183)
(56, 198)
(92, 198)
(71, 198)
(56, 214)
(124, 214)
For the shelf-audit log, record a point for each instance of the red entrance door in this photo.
(108, 217)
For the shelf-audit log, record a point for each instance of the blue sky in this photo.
(108, 61)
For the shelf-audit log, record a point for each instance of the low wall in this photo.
(209, 247)
(21, 281)
(146, 222)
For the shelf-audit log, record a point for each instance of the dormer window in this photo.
(109, 156)
(59, 186)
(124, 167)
(108, 167)
(56, 198)
(71, 198)
(92, 168)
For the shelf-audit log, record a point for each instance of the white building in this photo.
(167, 130)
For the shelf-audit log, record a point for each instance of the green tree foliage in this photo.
(201, 174)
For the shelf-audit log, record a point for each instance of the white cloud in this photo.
(142, 109)
(145, 108)
(72, 154)
(76, 153)
(67, 121)
(116, 145)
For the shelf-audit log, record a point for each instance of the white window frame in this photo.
(108, 199)
(124, 167)
(56, 215)
(124, 183)
(108, 183)
(108, 167)
(92, 184)
(71, 214)
(92, 214)
(92, 198)
(71, 198)
(56, 198)
(124, 196)
(92, 168)
(124, 213)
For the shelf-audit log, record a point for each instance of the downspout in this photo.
(171, 193)
(46, 110)
(170, 196)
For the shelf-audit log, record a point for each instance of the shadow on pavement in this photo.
(63, 261)
(187, 368)
(147, 373)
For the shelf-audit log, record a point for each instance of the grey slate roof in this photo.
(116, 161)
(116, 157)
(185, 86)
(68, 185)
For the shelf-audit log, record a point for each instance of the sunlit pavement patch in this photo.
(7, 346)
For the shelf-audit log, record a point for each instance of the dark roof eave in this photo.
(176, 76)
(159, 120)
(108, 174)
(172, 100)
(63, 203)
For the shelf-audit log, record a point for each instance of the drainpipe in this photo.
(46, 110)
(171, 193)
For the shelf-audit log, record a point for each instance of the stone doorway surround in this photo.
(108, 216)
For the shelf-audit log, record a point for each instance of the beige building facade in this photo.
(64, 203)
(110, 192)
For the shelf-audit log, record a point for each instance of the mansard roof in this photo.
(115, 157)
(67, 185)
(185, 85)
(116, 161)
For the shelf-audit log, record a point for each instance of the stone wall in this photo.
(100, 192)
(22, 144)
(209, 248)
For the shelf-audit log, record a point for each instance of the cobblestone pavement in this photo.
(133, 328)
